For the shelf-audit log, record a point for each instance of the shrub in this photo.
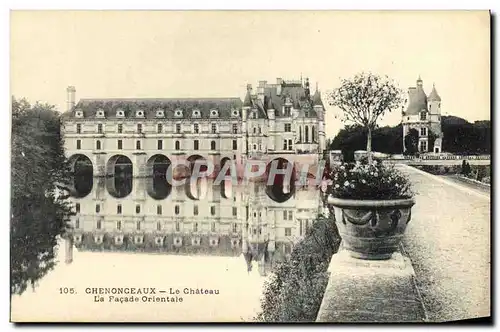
(295, 290)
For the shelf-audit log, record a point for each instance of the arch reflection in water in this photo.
(280, 190)
(157, 185)
(197, 219)
(82, 170)
(120, 168)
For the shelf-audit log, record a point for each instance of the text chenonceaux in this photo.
(147, 294)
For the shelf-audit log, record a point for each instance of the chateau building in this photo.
(424, 114)
(281, 120)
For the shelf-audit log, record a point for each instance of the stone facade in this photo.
(280, 120)
(423, 114)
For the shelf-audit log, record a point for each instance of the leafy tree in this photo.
(364, 99)
(39, 189)
(411, 142)
(295, 290)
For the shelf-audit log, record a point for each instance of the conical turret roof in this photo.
(317, 99)
(248, 100)
(433, 96)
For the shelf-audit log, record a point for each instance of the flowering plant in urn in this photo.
(372, 204)
(371, 201)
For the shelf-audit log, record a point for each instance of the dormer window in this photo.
(423, 116)
(214, 113)
(100, 113)
(254, 115)
(120, 113)
(79, 114)
(196, 114)
(235, 113)
(160, 114)
(139, 114)
(178, 113)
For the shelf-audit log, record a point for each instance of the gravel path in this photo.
(448, 241)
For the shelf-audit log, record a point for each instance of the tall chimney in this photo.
(70, 97)
(279, 81)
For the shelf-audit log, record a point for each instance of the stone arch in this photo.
(82, 170)
(279, 191)
(119, 169)
(156, 170)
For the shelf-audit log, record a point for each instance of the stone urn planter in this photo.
(371, 229)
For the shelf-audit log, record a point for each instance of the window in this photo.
(214, 128)
(312, 134)
(177, 209)
(288, 110)
(260, 130)
(255, 147)
(77, 207)
(195, 227)
(285, 145)
(120, 144)
(78, 144)
(195, 210)
(288, 127)
(235, 228)
(290, 215)
(98, 145)
(423, 131)
(160, 113)
(158, 225)
(196, 114)
(290, 146)
(98, 226)
(307, 134)
(138, 145)
(254, 130)
(97, 208)
(137, 208)
(160, 128)
(78, 128)
(177, 226)
(288, 231)
(212, 145)
(160, 144)
(196, 144)
(138, 225)
(235, 128)
(177, 145)
(423, 116)
(285, 215)
(119, 209)
(235, 211)
(423, 146)
(139, 128)
(213, 227)
(118, 225)
(212, 210)
(159, 210)
(196, 128)
(99, 128)
(120, 128)
(178, 128)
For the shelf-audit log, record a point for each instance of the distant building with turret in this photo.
(423, 114)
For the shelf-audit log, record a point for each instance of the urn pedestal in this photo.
(371, 229)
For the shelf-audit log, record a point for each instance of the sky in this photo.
(113, 54)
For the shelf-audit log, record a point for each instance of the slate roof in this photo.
(151, 105)
(433, 96)
(418, 101)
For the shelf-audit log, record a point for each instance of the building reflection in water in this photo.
(122, 213)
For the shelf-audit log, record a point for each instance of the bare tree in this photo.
(364, 99)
